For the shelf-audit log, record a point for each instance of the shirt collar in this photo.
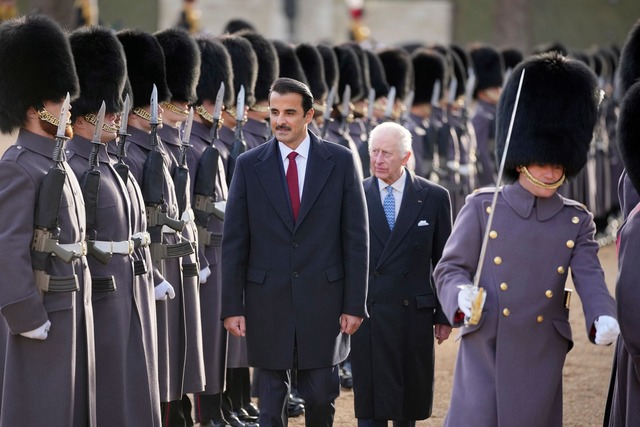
(398, 185)
(302, 150)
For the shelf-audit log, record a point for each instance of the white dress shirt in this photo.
(301, 159)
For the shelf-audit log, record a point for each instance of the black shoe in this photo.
(208, 423)
(296, 399)
(252, 410)
(244, 416)
(294, 409)
(346, 378)
(234, 421)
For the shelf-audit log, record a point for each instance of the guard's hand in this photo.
(164, 290)
(40, 333)
(349, 324)
(235, 325)
(204, 274)
(442, 332)
(466, 297)
(607, 330)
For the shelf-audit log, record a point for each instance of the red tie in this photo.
(292, 182)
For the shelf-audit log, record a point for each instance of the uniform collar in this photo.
(37, 143)
(83, 147)
(170, 135)
(523, 202)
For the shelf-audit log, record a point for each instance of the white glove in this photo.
(40, 333)
(164, 290)
(204, 274)
(466, 297)
(607, 330)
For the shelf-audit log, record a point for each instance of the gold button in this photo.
(504, 286)
(540, 319)
(506, 312)
(549, 294)
(570, 244)
(493, 234)
(497, 260)
(575, 220)
(561, 270)
(488, 209)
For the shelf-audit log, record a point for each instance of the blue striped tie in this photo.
(389, 205)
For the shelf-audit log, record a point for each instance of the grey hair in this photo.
(400, 134)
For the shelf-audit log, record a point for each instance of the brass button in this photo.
(506, 312)
(575, 220)
(493, 234)
(488, 209)
(497, 260)
(570, 244)
(504, 286)
(540, 319)
(561, 270)
(549, 293)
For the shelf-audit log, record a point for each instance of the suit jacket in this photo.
(402, 304)
(293, 280)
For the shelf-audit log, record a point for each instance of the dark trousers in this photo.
(318, 387)
(177, 413)
(362, 422)
(208, 407)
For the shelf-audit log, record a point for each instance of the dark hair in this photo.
(286, 85)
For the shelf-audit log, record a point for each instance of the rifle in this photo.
(90, 184)
(121, 167)
(326, 117)
(181, 172)
(46, 234)
(239, 144)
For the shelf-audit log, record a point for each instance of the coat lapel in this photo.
(377, 219)
(413, 201)
(319, 167)
(269, 167)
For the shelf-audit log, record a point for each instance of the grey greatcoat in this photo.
(124, 316)
(256, 132)
(484, 122)
(50, 381)
(392, 352)
(214, 335)
(509, 366)
(293, 281)
(169, 313)
(194, 367)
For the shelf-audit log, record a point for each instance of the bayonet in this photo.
(326, 117)
(469, 88)
(186, 137)
(154, 106)
(435, 94)
(62, 126)
(346, 100)
(217, 113)
(391, 100)
(239, 145)
(121, 167)
(453, 88)
(406, 106)
(96, 140)
(371, 100)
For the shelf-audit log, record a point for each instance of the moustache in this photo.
(283, 127)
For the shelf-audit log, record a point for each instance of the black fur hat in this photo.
(289, 63)
(556, 114)
(629, 64)
(365, 75)
(399, 70)
(215, 68)
(376, 74)
(245, 66)
(488, 65)
(145, 66)
(36, 65)
(429, 66)
(331, 69)
(460, 72)
(101, 68)
(182, 61)
(550, 47)
(268, 64)
(350, 71)
(629, 134)
(511, 57)
(313, 67)
(238, 24)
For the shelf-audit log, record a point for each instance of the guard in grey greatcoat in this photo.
(123, 302)
(182, 65)
(215, 69)
(392, 355)
(523, 335)
(47, 327)
(145, 67)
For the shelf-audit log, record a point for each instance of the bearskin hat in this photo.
(460, 72)
(399, 70)
(182, 61)
(629, 134)
(289, 63)
(245, 66)
(101, 68)
(215, 68)
(365, 71)
(488, 66)
(511, 57)
(555, 116)
(313, 67)
(145, 66)
(429, 66)
(350, 71)
(551, 47)
(238, 24)
(36, 65)
(331, 68)
(268, 64)
(376, 74)
(629, 64)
